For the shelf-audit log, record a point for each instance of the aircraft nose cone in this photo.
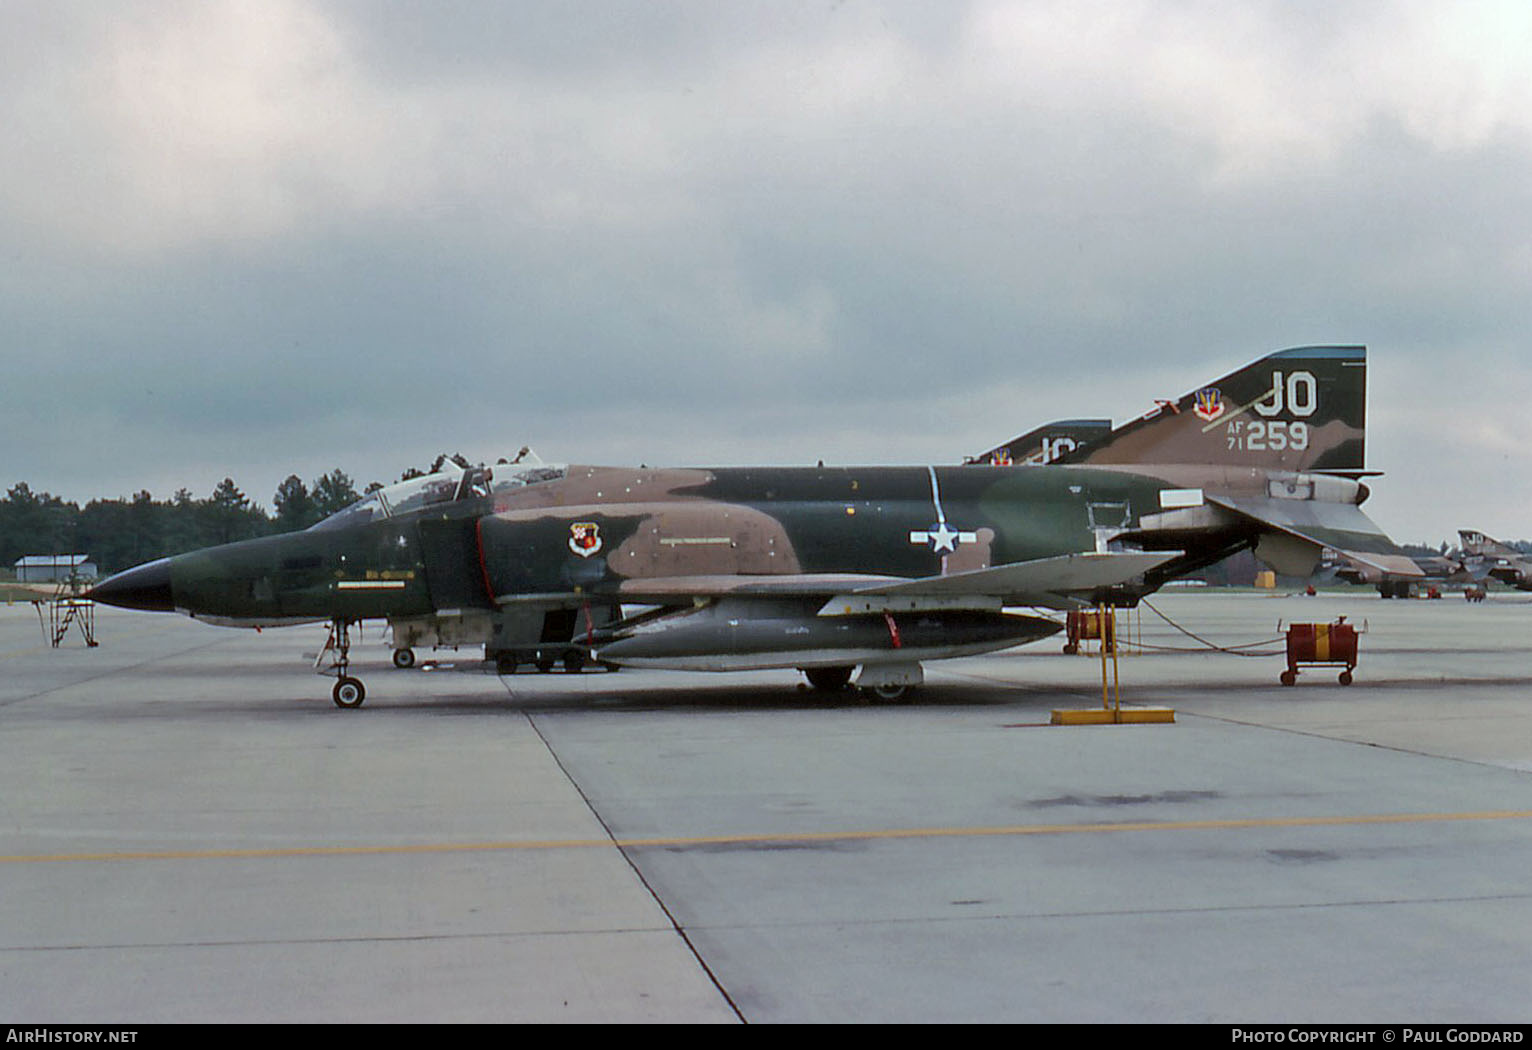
(146, 587)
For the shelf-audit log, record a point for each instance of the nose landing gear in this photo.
(348, 691)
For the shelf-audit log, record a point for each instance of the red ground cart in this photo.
(1320, 645)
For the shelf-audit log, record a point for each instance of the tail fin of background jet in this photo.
(1045, 444)
(1477, 544)
(1301, 410)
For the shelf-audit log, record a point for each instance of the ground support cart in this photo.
(1320, 645)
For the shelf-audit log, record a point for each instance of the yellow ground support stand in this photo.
(1111, 711)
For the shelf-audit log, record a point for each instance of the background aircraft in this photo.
(1045, 444)
(1500, 560)
(824, 569)
(1454, 567)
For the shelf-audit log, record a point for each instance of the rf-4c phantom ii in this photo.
(824, 569)
(1497, 560)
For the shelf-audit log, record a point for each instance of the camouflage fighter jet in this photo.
(1454, 567)
(1045, 444)
(823, 569)
(1500, 561)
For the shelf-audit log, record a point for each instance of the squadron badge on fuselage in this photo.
(585, 538)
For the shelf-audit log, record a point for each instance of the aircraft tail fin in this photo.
(1476, 544)
(1302, 409)
(1045, 444)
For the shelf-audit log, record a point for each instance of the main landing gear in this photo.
(890, 683)
(348, 691)
(828, 679)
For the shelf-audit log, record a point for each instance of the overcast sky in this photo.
(254, 239)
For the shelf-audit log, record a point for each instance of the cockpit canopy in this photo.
(446, 486)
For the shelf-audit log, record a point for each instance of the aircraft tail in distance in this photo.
(1046, 444)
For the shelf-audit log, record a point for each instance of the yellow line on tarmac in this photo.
(765, 840)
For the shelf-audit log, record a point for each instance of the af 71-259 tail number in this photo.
(1258, 435)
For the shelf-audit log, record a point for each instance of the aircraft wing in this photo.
(1341, 526)
(665, 589)
(1058, 583)
(1055, 583)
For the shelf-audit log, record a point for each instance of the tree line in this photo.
(120, 533)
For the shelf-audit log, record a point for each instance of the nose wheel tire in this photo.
(348, 692)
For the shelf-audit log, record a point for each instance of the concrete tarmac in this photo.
(192, 832)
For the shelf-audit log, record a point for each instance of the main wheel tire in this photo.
(891, 694)
(348, 692)
(828, 679)
(404, 659)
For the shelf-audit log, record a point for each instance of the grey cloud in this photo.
(737, 233)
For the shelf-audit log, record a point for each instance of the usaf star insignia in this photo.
(943, 538)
